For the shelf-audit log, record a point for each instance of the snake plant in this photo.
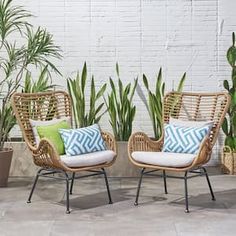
(229, 124)
(154, 104)
(76, 88)
(120, 107)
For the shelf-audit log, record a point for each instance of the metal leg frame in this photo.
(49, 173)
(209, 184)
(34, 184)
(72, 182)
(165, 185)
(197, 172)
(139, 186)
(107, 185)
(186, 191)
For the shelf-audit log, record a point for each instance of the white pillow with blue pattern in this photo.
(83, 140)
(180, 139)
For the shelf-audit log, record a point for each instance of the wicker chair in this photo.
(188, 107)
(46, 106)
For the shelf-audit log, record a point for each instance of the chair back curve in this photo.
(39, 106)
(197, 107)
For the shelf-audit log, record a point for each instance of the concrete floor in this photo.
(157, 213)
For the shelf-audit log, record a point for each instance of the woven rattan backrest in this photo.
(39, 106)
(197, 107)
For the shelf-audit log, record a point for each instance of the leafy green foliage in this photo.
(42, 84)
(35, 48)
(120, 108)
(229, 124)
(76, 88)
(154, 104)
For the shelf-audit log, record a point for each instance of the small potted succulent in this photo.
(229, 124)
(33, 48)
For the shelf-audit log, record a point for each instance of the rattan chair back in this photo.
(39, 106)
(197, 107)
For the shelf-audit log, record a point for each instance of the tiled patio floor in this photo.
(157, 213)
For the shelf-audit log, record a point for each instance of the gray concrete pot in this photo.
(123, 167)
(5, 163)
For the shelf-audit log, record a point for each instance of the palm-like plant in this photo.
(41, 84)
(36, 49)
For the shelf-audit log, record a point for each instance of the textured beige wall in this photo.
(22, 162)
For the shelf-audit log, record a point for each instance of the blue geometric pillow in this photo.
(181, 139)
(83, 140)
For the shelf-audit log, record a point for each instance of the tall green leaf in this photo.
(77, 91)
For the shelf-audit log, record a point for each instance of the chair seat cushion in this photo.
(88, 159)
(166, 159)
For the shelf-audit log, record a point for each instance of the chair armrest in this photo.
(141, 142)
(109, 140)
(46, 155)
(204, 153)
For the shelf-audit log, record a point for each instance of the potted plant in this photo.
(154, 104)
(121, 111)
(229, 124)
(77, 89)
(34, 48)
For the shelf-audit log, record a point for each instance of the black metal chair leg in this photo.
(186, 192)
(165, 185)
(107, 185)
(34, 185)
(209, 184)
(72, 182)
(139, 185)
(67, 194)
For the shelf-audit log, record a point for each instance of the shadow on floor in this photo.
(224, 200)
(98, 199)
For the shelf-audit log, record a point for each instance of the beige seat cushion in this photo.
(167, 159)
(88, 159)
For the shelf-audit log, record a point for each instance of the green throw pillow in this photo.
(51, 133)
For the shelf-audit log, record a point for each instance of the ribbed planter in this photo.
(5, 163)
(123, 167)
(228, 161)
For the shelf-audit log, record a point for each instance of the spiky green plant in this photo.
(120, 108)
(35, 48)
(42, 84)
(154, 104)
(76, 88)
(229, 124)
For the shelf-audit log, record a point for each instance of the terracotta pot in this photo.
(228, 161)
(122, 166)
(5, 163)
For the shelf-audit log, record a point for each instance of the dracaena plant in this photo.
(154, 103)
(229, 124)
(121, 108)
(77, 90)
(43, 82)
(34, 48)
